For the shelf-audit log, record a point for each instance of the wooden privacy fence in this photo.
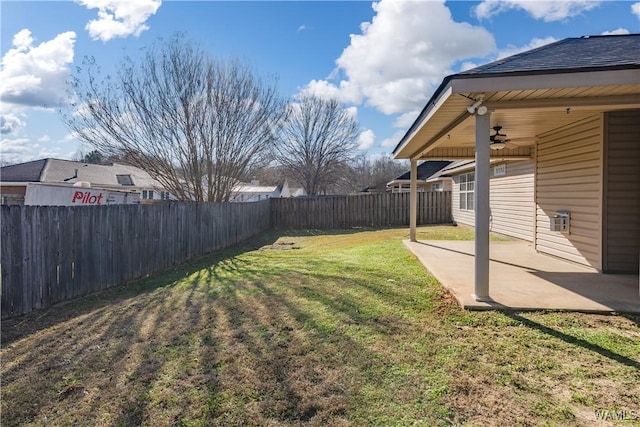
(51, 254)
(362, 210)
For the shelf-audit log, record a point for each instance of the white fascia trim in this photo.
(13, 184)
(440, 178)
(546, 81)
(439, 102)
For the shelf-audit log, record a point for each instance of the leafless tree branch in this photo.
(193, 123)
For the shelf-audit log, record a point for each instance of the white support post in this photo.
(413, 201)
(481, 201)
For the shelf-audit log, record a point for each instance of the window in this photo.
(164, 195)
(436, 186)
(147, 194)
(467, 188)
(124, 179)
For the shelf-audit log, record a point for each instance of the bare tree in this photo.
(376, 172)
(317, 143)
(94, 157)
(194, 124)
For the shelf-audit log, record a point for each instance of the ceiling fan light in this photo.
(497, 145)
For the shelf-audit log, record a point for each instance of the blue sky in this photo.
(383, 60)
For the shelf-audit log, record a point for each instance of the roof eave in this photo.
(492, 82)
(439, 97)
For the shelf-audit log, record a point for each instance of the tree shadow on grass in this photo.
(216, 340)
(16, 328)
(104, 363)
(19, 327)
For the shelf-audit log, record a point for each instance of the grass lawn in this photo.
(319, 328)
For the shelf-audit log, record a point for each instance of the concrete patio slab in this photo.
(522, 279)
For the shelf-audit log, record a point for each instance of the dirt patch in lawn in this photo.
(280, 246)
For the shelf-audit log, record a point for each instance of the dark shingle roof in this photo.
(23, 172)
(57, 170)
(592, 52)
(582, 54)
(426, 170)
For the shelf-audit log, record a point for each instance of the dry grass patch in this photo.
(347, 329)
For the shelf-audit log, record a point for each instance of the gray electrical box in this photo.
(560, 222)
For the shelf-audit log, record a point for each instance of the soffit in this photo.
(523, 113)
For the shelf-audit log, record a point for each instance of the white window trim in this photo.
(467, 191)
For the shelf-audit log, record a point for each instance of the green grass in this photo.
(347, 329)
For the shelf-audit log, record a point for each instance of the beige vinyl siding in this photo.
(568, 168)
(622, 192)
(511, 201)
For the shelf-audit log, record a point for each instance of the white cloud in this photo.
(617, 31)
(352, 111)
(405, 120)
(548, 11)
(467, 65)
(14, 146)
(44, 138)
(302, 27)
(73, 136)
(345, 92)
(533, 44)
(15, 151)
(397, 60)
(393, 140)
(366, 140)
(36, 75)
(635, 9)
(54, 152)
(10, 123)
(119, 18)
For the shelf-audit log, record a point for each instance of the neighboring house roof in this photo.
(604, 70)
(56, 170)
(297, 192)
(454, 167)
(248, 188)
(426, 170)
(23, 172)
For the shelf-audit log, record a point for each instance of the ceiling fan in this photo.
(498, 140)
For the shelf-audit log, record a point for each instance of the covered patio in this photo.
(568, 113)
(522, 279)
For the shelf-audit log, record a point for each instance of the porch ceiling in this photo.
(447, 130)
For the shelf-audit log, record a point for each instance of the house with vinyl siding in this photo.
(429, 178)
(568, 180)
(511, 197)
(565, 172)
